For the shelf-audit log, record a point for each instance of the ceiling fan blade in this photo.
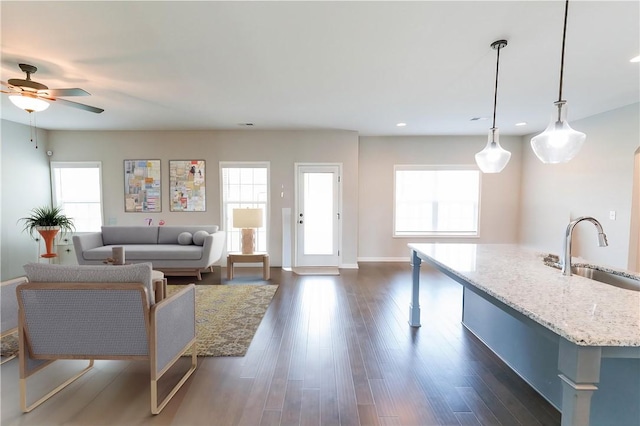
(11, 87)
(78, 105)
(64, 92)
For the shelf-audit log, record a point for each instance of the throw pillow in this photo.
(198, 237)
(185, 238)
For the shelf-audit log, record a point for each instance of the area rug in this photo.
(316, 270)
(9, 345)
(227, 317)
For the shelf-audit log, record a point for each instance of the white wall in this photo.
(281, 148)
(25, 185)
(598, 180)
(500, 193)
(528, 202)
(634, 243)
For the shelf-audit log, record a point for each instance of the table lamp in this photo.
(248, 220)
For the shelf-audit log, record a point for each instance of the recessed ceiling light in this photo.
(401, 124)
(636, 59)
(479, 118)
(522, 123)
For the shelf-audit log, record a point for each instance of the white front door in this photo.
(317, 215)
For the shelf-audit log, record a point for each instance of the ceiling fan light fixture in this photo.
(493, 158)
(29, 102)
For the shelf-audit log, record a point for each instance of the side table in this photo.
(159, 285)
(248, 258)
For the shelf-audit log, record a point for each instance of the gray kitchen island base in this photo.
(590, 384)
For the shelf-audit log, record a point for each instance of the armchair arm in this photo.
(9, 305)
(173, 328)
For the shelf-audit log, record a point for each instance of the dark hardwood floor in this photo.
(331, 350)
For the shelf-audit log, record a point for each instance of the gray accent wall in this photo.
(25, 184)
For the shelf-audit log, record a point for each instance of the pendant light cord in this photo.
(495, 92)
(564, 36)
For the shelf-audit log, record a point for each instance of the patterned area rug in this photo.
(9, 345)
(227, 317)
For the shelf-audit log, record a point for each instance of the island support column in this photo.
(579, 368)
(414, 308)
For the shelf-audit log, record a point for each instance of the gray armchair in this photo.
(100, 312)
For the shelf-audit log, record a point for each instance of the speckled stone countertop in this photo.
(583, 311)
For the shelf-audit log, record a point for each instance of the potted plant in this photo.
(47, 221)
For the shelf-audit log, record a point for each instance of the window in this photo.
(244, 185)
(436, 201)
(77, 189)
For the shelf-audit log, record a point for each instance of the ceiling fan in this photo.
(33, 96)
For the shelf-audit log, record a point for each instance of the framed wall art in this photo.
(187, 185)
(142, 187)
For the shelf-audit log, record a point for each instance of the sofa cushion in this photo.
(168, 234)
(199, 237)
(119, 235)
(148, 252)
(185, 238)
(138, 273)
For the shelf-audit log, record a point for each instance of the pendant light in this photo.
(493, 158)
(559, 143)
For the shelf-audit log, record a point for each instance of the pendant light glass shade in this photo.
(493, 158)
(29, 103)
(559, 143)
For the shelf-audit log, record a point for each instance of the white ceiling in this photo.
(361, 66)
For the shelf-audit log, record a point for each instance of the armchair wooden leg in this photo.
(157, 408)
(23, 389)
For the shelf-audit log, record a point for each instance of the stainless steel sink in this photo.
(607, 277)
(616, 279)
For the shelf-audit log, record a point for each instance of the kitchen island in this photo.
(569, 337)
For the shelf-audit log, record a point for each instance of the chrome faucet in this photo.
(566, 249)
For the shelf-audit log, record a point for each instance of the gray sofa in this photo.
(159, 245)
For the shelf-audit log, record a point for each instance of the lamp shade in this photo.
(247, 218)
(493, 158)
(29, 103)
(559, 143)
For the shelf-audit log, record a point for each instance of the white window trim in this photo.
(79, 165)
(436, 235)
(246, 164)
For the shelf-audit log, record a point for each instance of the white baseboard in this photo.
(384, 259)
(349, 266)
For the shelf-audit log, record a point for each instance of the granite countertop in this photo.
(583, 311)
